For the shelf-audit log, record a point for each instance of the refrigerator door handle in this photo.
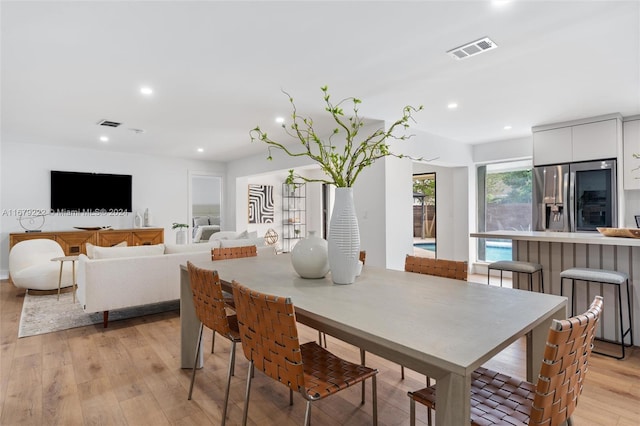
(570, 192)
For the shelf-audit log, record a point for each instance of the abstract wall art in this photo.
(261, 209)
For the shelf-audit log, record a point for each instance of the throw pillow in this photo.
(243, 235)
(201, 220)
(134, 251)
(89, 248)
(253, 234)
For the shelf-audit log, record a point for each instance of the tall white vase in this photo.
(344, 238)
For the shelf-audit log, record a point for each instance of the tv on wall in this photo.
(90, 192)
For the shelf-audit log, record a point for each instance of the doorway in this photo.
(424, 215)
(205, 205)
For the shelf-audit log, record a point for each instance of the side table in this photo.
(73, 260)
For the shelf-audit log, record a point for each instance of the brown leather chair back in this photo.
(222, 253)
(269, 335)
(564, 367)
(208, 300)
(437, 267)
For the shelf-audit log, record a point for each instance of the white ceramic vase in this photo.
(181, 236)
(309, 257)
(344, 238)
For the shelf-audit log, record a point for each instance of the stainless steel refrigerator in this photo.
(575, 197)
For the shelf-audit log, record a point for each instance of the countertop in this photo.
(560, 237)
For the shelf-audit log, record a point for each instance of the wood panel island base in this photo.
(558, 251)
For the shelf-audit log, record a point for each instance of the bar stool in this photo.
(519, 267)
(604, 277)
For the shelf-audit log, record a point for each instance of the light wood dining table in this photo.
(439, 327)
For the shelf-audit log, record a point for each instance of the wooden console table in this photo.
(74, 242)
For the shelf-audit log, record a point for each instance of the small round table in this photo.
(73, 260)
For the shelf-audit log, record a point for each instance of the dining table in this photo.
(440, 327)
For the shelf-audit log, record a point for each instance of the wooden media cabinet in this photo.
(74, 242)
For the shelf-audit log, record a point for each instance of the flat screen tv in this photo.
(90, 192)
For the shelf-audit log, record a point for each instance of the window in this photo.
(504, 203)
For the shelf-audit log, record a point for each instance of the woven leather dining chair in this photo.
(222, 253)
(210, 310)
(270, 342)
(500, 399)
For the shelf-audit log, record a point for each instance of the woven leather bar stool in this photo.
(604, 277)
(519, 267)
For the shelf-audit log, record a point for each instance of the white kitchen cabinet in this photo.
(595, 138)
(631, 165)
(552, 146)
(595, 141)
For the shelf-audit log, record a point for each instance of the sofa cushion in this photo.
(133, 251)
(190, 248)
(89, 248)
(224, 235)
(258, 242)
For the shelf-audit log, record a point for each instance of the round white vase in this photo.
(344, 238)
(309, 257)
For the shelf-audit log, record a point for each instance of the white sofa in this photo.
(121, 277)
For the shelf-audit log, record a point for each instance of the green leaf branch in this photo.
(341, 165)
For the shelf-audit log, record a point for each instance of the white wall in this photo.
(159, 184)
(510, 149)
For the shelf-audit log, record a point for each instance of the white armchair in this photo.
(30, 265)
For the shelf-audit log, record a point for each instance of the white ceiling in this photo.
(217, 68)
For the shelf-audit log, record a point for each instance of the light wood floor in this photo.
(129, 374)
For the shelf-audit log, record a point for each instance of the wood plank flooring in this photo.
(129, 374)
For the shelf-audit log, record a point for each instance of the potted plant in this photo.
(342, 156)
(181, 233)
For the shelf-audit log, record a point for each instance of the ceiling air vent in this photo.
(108, 123)
(473, 48)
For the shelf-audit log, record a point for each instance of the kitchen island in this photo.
(557, 251)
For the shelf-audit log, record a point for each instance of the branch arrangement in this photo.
(342, 166)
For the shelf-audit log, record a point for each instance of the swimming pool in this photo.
(495, 250)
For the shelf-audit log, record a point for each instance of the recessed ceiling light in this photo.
(499, 3)
(507, 127)
(104, 139)
(452, 105)
(200, 149)
(279, 120)
(146, 90)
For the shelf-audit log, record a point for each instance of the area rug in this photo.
(45, 314)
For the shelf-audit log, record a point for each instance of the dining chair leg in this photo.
(232, 361)
(195, 361)
(290, 396)
(374, 396)
(412, 412)
(307, 414)
(320, 336)
(402, 372)
(213, 340)
(362, 356)
(246, 394)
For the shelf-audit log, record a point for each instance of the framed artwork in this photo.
(261, 208)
